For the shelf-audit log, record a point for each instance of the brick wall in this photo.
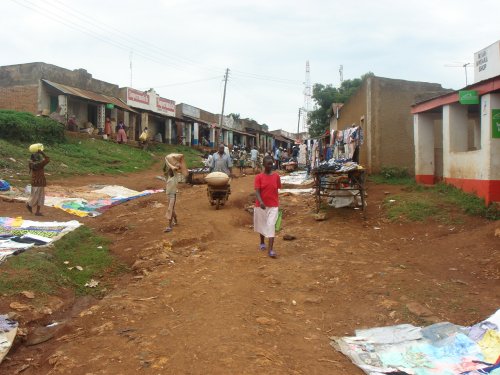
(19, 98)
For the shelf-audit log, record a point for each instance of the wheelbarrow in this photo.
(218, 195)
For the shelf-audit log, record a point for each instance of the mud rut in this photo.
(204, 300)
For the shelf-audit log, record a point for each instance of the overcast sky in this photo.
(264, 43)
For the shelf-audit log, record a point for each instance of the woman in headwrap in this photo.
(37, 163)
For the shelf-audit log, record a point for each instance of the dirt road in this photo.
(204, 300)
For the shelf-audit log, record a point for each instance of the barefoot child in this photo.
(265, 211)
(174, 164)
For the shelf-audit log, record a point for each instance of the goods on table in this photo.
(36, 147)
(217, 179)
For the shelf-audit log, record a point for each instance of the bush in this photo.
(25, 127)
(394, 172)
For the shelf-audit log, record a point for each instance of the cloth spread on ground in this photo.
(442, 348)
(85, 201)
(17, 235)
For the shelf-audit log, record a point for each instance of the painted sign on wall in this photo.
(165, 106)
(150, 101)
(495, 123)
(487, 62)
(136, 96)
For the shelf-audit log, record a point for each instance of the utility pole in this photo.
(223, 100)
(465, 67)
(298, 123)
(131, 53)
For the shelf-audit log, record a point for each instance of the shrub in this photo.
(25, 127)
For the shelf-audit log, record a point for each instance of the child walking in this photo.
(174, 164)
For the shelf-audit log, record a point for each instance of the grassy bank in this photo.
(441, 202)
(83, 156)
(46, 270)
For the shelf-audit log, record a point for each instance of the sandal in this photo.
(167, 230)
(38, 214)
(262, 246)
(273, 254)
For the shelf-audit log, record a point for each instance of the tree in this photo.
(265, 127)
(236, 116)
(325, 96)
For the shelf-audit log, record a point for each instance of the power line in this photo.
(129, 37)
(184, 83)
(129, 42)
(89, 32)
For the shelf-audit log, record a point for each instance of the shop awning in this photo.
(243, 133)
(89, 95)
(283, 139)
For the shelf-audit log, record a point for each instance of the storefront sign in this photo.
(487, 62)
(110, 106)
(166, 106)
(495, 123)
(468, 97)
(136, 96)
(190, 111)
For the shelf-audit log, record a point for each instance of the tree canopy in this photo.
(324, 96)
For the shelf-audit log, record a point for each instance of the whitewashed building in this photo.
(457, 135)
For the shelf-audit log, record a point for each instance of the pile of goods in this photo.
(217, 179)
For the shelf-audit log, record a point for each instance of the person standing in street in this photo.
(107, 128)
(121, 135)
(265, 212)
(254, 155)
(221, 162)
(174, 164)
(242, 160)
(37, 163)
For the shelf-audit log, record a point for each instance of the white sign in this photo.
(190, 111)
(487, 62)
(165, 106)
(150, 101)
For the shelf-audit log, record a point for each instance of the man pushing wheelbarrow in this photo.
(218, 180)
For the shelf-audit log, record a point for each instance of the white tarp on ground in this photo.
(296, 178)
(439, 349)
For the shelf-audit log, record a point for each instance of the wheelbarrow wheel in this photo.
(217, 204)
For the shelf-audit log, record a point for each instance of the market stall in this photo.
(341, 182)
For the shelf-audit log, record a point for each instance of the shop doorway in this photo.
(92, 114)
(438, 150)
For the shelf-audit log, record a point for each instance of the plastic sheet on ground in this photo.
(296, 191)
(439, 349)
(18, 235)
(296, 178)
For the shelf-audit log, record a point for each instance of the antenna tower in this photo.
(307, 98)
(341, 73)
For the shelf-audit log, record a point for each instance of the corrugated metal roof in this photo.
(89, 95)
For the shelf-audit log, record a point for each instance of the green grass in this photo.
(44, 271)
(469, 203)
(83, 156)
(410, 207)
(440, 202)
(393, 176)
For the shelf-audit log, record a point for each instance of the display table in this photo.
(327, 181)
